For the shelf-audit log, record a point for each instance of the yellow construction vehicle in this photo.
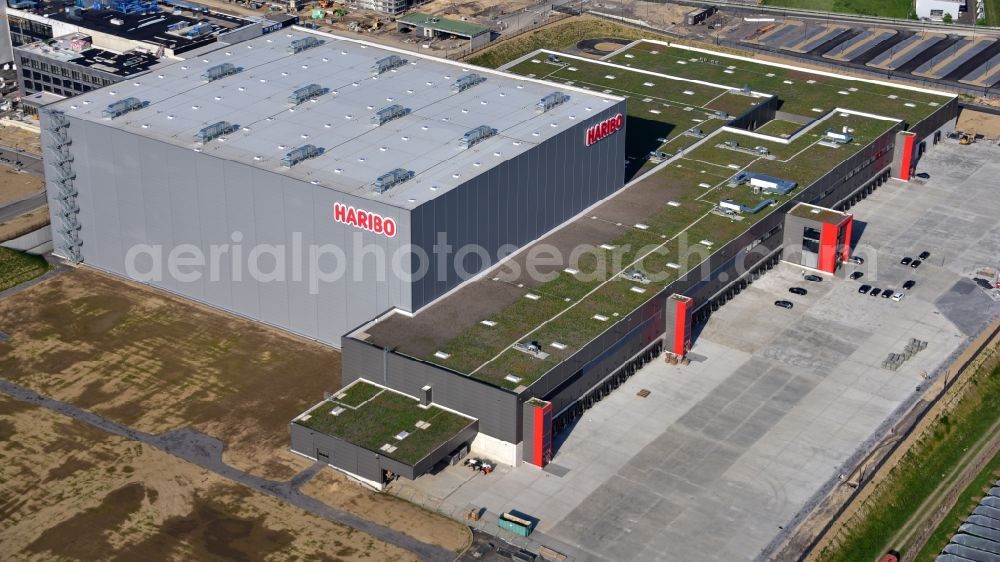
(967, 138)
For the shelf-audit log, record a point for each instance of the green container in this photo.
(515, 524)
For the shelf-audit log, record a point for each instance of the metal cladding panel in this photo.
(515, 203)
(497, 410)
(848, 233)
(463, 437)
(138, 191)
(828, 248)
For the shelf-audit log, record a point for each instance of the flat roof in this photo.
(119, 64)
(384, 421)
(821, 214)
(425, 141)
(474, 330)
(455, 27)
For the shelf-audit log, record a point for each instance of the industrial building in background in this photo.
(65, 48)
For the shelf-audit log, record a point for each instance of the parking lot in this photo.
(723, 452)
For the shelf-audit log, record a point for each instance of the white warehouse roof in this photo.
(356, 152)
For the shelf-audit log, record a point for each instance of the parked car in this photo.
(857, 275)
(909, 284)
(983, 283)
(915, 264)
(798, 291)
(856, 260)
(897, 297)
(813, 278)
(887, 293)
(924, 255)
(783, 304)
(905, 261)
(891, 556)
(924, 176)
(875, 292)
(864, 289)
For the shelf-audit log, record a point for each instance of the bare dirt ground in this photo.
(24, 224)
(22, 139)
(335, 489)
(17, 185)
(985, 124)
(70, 491)
(157, 363)
(481, 11)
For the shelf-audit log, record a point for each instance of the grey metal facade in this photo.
(518, 201)
(137, 191)
(370, 464)
(624, 346)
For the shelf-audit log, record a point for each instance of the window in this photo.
(36, 75)
(76, 74)
(64, 71)
(810, 233)
(46, 79)
(44, 67)
(34, 63)
(26, 73)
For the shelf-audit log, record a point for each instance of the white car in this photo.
(897, 297)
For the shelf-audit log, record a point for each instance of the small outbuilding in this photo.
(426, 25)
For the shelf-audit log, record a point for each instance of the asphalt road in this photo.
(21, 206)
(206, 452)
(30, 163)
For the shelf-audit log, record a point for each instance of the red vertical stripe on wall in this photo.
(907, 157)
(539, 437)
(828, 248)
(681, 327)
(847, 238)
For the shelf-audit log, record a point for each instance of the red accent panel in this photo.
(907, 157)
(847, 237)
(828, 248)
(682, 327)
(543, 436)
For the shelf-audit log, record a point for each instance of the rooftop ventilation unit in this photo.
(300, 45)
(550, 101)
(466, 82)
(215, 130)
(301, 153)
(386, 64)
(386, 114)
(476, 135)
(386, 181)
(306, 93)
(221, 71)
(122, 107)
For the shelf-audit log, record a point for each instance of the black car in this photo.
(798, 290)
(924, 176)
(857, 275)
(813, 278)
(983, 283)
(864, 289)
(915, 264)
(905, 261)
(909, 284)
(875, 292)
(924, 255)
(888, 293)
(783, 304)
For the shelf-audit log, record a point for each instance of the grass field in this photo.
(920, 470)
(18, 267)
(884, 8)
(556, 37)
(966, 502)
(992, 12)
(72, 492)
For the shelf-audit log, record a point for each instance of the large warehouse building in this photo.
(264, 159)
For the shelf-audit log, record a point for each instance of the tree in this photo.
(946, 18)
